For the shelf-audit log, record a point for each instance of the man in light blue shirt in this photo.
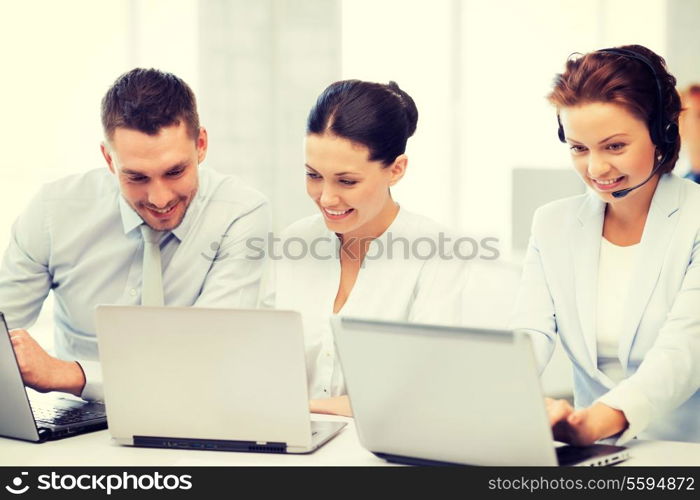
(81, 236)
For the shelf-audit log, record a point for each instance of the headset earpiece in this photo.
(670, 133)
(560, 131)
(663, 133)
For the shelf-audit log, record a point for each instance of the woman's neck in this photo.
(625, 219)
(377, 226)
(357, 242)
(354, 246)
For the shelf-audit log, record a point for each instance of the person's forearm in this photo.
(608, 421)
(69, 377)
(338, 405)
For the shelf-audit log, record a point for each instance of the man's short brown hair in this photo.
(148, 100)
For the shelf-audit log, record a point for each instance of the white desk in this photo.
(95, 449)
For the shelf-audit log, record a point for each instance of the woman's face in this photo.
(610, 147)
(351, 191)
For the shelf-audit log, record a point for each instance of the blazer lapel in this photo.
(585, 248)
(658, 229)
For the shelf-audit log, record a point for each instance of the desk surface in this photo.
(97, 448)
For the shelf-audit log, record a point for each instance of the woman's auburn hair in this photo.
(623, 80)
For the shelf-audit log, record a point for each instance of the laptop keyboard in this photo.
(64, 416)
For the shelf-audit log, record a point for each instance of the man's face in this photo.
(158, 174)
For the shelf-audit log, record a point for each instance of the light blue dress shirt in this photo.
(79, 238)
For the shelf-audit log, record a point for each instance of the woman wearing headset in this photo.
(362, 254)
(616, 272)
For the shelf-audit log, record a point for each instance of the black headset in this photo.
(664, 133)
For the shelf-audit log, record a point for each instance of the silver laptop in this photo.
(425, 394)
(26, 414)
(215, 379)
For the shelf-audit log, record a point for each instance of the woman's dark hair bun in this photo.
(408, 105)
(379, 116)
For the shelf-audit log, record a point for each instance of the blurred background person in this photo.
(690, 130)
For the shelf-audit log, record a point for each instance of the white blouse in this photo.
(407, 275)
(615, 272)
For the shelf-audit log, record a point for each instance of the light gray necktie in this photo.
(152, 284)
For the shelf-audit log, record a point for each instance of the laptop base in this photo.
(50, 433)
(209, 444)
(59, 417)
(399, 459)
(321, 432)
(595, 455)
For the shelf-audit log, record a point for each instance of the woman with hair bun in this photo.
(365, 255)
(616, 272)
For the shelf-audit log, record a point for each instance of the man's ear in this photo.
(398, 169)
(108, 157)
(202, 144)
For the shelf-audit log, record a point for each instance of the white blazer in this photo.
(659, 347)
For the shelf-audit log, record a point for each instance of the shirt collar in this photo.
(193, 211)
(190, 216)
(130, 219)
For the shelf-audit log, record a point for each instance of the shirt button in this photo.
(132, 292)
(328, 354)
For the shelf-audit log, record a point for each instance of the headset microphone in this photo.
(624, 192)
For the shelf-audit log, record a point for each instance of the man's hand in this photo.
(339, 405)
(43, 372)
(585, 426)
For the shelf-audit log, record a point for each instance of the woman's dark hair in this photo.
(609, 77)
(378, 116)
(148, 100)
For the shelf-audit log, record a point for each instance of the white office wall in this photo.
(261, 66)
(164, 34)
(412, 43)
(57, 60)
(682, 21)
